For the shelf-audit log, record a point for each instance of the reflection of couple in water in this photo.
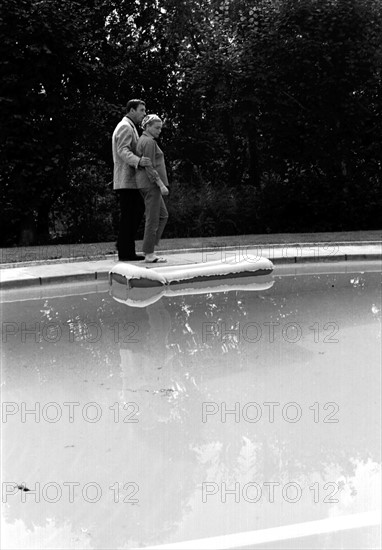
(147, 364)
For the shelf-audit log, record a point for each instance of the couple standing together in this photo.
(140, 180)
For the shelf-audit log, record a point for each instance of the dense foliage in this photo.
(272, 109)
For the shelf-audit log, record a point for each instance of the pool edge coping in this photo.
(30, 281)
(210, 248)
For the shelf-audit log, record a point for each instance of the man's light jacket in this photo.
(124, 143)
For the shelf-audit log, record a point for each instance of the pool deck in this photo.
(37, 266)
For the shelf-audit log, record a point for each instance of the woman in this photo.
(152, 183)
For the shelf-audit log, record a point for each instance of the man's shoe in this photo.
(135, 258)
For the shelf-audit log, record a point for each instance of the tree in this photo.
(272, 112)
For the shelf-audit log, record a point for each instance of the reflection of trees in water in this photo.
(93, 325)
(170, 371)
(192, 312)
(202, 323)
(274, 452)
(72, 332)
(269, 456)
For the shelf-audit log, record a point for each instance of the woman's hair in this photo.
(150, 119)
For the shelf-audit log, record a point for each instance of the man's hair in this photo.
(134, 104)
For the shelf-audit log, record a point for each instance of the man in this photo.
(124, 142)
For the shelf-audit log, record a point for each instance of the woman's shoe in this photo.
(151, 259)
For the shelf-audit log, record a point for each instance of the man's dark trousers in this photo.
(132, 208)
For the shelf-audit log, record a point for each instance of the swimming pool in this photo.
(197, 416)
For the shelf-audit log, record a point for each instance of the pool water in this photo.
(196, 416)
